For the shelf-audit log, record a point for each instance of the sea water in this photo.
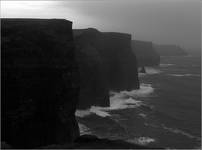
(164, 112)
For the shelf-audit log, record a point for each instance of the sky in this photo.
(160, 21)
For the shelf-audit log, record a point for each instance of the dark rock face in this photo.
(169, 50)
(94, 89)
(145, 53)
(40, 85)
(115, 48)
(106, 62)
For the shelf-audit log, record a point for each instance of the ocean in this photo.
(165, 112)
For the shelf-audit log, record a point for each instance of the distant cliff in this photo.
(145, 53)
(106, 63)
(40, 82)
(169, 50)
(115, 48)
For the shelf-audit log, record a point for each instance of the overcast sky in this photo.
(160, 21)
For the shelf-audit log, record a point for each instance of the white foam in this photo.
(144, 91)
(178, 131)
(100, 111)
(166, 65)
(150, 71)
(114, 105)
(185, 75)
(83, 129)
(82, 113)
(142, 115)
(119, 100)
(142, 140)
(174, 130)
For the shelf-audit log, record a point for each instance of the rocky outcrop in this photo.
(106, 63)
(40, 82)
(169, 50)
(145, 53)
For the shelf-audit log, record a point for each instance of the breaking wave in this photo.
(174, 130)
(142, 115)
(185, 75)
(119, 100)
(144, 91)
(142, 140)
(177, 131)
(150, 71)
(83, 129)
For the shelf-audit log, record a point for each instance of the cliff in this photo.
(169, 50)
(39, 82)
(115, 48)
(145, 53)
(94, 89)
(106, 63)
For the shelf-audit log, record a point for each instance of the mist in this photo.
(160, 21)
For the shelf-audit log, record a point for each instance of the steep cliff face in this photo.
(94, 88)
(169, 50)
(40, 85)
(115, 48)
(145, 53)
(106, 62)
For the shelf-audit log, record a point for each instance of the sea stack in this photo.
(142, 70)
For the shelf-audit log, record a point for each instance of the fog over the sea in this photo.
(160, 21)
